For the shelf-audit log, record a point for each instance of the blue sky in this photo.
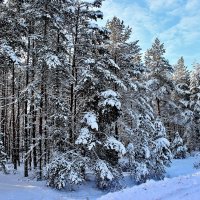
(175, 22)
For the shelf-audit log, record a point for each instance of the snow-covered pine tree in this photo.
(102, 104)
(138, 126)
(161, 155)
(159, 76)
(178, 149)
(93, 106)
(181, 97)
(136, 122)
(181, 73)
(98, 142)
(139, 150)
(102, 109)
(181, 94)
(193, 143)
(118, 47)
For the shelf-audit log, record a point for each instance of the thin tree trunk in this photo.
(18, 126)
(116, 124)
(3, 107)
(158, 106)
(41, 131)
(33, 109)
(42, 89)
(26, 115)
(34, 114)
(14, 159)
(74, 74)
(45, 129)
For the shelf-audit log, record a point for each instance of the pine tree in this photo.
(159, 77)
(178, 149)
(139, 150)
(193, 142)
(136, 124)
(181, 94)
(161, 156)
(94, 107)
(181, 73)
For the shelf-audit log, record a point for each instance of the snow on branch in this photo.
(114, 144)
(84, 136)
(111, 99)
(8, 50)
(52, 60)
(90, 119)
(162, 143)
(103, 170)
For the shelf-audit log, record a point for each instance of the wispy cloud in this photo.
(175, 22)
(160, 5)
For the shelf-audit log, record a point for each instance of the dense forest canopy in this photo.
(77, 98)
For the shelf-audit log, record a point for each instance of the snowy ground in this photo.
(183, 183)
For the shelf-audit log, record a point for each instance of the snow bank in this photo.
(184, 187)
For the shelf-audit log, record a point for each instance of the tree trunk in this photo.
(14, 158)
(18, 126)
(158, 106)
(26, 114)
(73, 85)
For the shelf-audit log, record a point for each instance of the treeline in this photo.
(78, 98)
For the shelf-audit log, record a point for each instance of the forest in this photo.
(79, 99)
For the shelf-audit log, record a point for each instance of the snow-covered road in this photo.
(183, 183)
(178, 188)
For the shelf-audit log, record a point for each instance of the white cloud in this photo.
(139, 18)
(175, 22)
(159, 5)
(192, 5)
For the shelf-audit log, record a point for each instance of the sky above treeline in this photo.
(175, 22)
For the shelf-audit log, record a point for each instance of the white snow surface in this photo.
(182, 183)
(185, 187)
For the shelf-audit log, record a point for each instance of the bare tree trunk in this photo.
(41, 130)
(7, 135)
(34, 114)
(14, 159)
(45, 129)
(26, 132)
(42, 91)
(33, 109)
(116, 124)
(18, 126)
(158, 106)
(3, 107)
(73, 85)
